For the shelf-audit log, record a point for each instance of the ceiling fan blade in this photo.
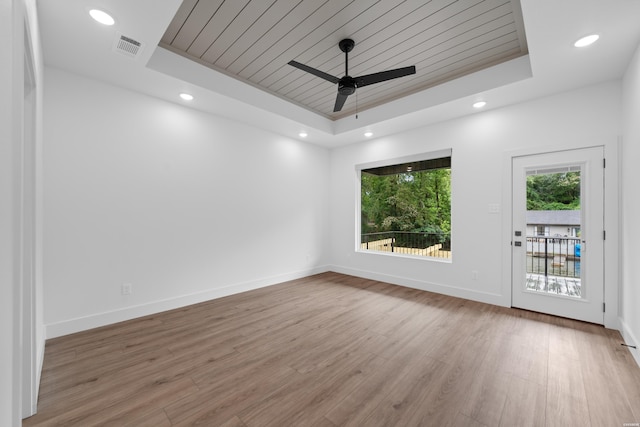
(340, 100)
(370, 79)
(317, 73)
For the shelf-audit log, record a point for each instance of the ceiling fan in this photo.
(347, 85)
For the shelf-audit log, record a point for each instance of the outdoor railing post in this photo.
(393, 237)
(566, 258)
(546, 260)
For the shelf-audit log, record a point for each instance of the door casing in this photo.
(589, 307)
(612, 147)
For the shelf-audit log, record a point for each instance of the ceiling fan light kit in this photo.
(347, 85)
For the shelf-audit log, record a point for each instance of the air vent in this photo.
(127, 46)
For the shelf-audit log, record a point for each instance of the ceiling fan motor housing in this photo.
(346, 45)
(347, 85)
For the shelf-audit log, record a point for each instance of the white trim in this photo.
(78, 324)
(437, 154)
(484, 297)
(30, 346)
(447, 152)
(629, 338)
(612, 243)
(611, 213)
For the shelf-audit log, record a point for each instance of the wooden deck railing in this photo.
(436, 245)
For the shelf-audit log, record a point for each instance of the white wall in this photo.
(481, 145)
(630, 295)
(183, 205)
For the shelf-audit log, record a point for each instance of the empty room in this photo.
(325, 213)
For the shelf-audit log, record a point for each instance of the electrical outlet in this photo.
(127, 289)
(474, 274)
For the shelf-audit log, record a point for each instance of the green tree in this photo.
(414, 201)
(554, 191)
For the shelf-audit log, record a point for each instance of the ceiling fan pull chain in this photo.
(356, 103)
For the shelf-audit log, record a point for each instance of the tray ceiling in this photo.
(253, 40)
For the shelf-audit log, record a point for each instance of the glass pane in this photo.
(407, 211)
(553, 232)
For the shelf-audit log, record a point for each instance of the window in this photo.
(405, 207)
(542, 230)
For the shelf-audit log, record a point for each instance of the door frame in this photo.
(27, 234)
(612, 221)
(588, 306)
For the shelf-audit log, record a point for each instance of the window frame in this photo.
(447, 152)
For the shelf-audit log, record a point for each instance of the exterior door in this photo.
(558, 233)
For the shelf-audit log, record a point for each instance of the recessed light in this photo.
(186, 96)
(479, 104)
(302, 134)
(368, 134)
(102, 17)
(587, 40)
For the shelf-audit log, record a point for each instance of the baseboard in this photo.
(484, 297)
(630, 338)
(79, 324)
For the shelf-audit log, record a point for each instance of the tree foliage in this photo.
(414, 201)
(553, 191)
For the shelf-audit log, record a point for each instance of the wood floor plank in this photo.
(605, 394)
(435, 405)
(89, 379)
(323, 422)
(136, 408)
(630, 382)
(155, 419)
(334, 350)
(306, 404)
(214, 405)
(463, 420)
(332, 388)
(233, 422)
(355, 407)
(528, 359)
(406, 397)
(525, 404)
(487, 393)
(566, 396)
(96, 411)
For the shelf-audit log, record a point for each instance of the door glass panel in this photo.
(553, 231)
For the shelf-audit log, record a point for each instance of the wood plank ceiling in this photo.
(253, 40)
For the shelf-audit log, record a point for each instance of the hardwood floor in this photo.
(333, 350)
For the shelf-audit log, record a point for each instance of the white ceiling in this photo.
(74, 42)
